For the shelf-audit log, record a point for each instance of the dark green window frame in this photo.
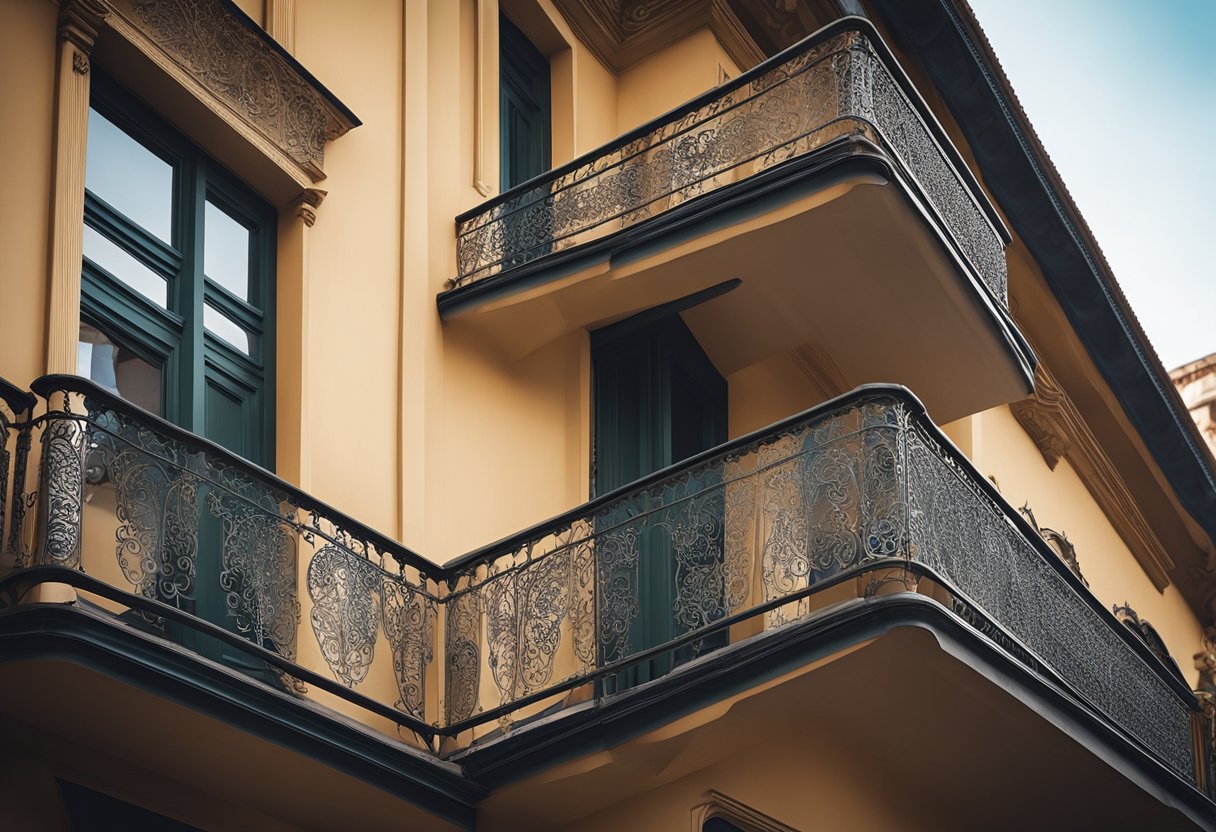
(524, 111)
(192, 359)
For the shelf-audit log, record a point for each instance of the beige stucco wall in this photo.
(669, 77)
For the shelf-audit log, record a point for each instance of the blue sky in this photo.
(1123, 95)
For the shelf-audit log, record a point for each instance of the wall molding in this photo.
(1056, 426)
(819, 367)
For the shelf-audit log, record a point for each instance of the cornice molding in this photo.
(622, 32)
(239, 73)
(1056, 426)
(819, 367)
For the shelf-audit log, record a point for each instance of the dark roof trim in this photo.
(1038, 207)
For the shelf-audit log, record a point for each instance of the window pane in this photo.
(117, 261)
(226, 251)
(129, 177)
(224, 327)
(117, 369)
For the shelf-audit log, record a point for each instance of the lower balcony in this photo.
(845, 571)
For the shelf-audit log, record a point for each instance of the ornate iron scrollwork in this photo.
(258, 571)
(823, 91)
(63, 449)
(1148, 634)
(1057, 541)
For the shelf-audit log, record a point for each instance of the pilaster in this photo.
(79, 24)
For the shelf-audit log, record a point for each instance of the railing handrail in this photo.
(1049, 555)
(47, 385)
(917, 413)
(17, 399)
(461, 563)
(844, 24)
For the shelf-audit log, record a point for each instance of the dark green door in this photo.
(658, 400)
(523, 106)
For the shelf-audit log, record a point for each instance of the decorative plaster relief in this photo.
(256, 81)
(1055, 425)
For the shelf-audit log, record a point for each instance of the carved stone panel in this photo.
(242, 68)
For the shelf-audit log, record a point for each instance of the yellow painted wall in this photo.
(1061, 502)
(27, 52)
(768, 391)
(355, 269)
(670, 77)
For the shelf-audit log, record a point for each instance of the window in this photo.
(177, 283)
(523, 109)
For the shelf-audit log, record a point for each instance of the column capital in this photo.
(80, 21)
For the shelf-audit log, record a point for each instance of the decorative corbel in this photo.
(307, 204)
(1043, 417)
(1205, 662)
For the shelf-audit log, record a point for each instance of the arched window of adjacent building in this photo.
(524, 112)
(720, 813)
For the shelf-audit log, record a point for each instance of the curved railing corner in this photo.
(839, 82)
(163, 526)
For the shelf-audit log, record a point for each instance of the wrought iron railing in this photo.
(217, 553)
(840, 82)
(861, 492)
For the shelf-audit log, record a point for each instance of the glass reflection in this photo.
(220, 325)
(128, 176)
(226, 251)
(118, 262)
(117, 369)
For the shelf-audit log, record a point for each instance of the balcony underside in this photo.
(99, 704)
(893, 704)
(838, 251)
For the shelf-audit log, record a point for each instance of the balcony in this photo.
(853, 522)
(818, 184)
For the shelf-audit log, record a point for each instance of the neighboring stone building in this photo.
(1196, 383)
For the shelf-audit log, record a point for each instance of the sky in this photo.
(1123, 96)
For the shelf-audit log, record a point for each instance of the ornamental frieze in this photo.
(241, 66)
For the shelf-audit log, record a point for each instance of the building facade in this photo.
(576, 414)
(1196, 383)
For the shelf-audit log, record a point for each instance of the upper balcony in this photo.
(846, 564)
(818, 185)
